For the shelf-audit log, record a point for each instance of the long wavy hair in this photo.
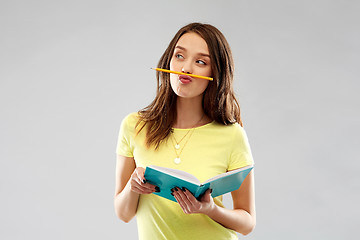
(219, 101)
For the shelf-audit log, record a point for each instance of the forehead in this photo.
(193, 42)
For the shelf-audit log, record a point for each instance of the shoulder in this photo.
(234, 129)
(131, 118)
(130, 121)
(239, 133)
(238, 130)
(234, 134)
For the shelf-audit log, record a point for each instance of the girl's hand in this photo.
(138, 182)
(189, 204)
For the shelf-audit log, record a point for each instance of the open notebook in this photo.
(168, 178)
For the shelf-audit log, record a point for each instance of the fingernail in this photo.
(210, 190)
(157, 189)
(172, 190)
(176, 189)
(172, 194)
(144, 181)
(184, 189)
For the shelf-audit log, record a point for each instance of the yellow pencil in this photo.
(180, 73)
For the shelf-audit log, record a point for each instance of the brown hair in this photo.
(219, 101)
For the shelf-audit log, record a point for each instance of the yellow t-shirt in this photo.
(209, 150)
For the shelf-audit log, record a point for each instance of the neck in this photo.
(189, 112)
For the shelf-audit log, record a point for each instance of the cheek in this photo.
(209, 72)
(173, 77)
(173, 66)
(203, 85)
(174, 83)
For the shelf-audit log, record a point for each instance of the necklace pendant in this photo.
(177, 146)
(177, 160)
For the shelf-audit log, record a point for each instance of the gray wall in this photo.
(71, 70)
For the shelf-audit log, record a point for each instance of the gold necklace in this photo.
(176, 145)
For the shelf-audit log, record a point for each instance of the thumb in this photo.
(140, 172)
(207, 195)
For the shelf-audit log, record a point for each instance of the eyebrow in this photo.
(201, 54)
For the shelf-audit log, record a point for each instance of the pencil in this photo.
(181, 73)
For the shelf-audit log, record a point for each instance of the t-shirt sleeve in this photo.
(241, 155)
(125, 139)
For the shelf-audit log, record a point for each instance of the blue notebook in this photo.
(167, 178)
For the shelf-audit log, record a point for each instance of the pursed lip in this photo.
(185, 78)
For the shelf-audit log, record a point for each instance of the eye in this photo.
(201, 62)
(179, 56)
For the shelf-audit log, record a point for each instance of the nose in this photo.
(186, 68)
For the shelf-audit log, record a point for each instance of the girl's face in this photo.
(191, 55)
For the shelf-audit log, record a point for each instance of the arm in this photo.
(241, 219)
(128, 187)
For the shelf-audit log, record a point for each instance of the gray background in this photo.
(71, 70)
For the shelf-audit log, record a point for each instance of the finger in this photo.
(189, 195)
(143, 186)
(191, 201)
(136, 181)
(180, 200)
(140, 174)
(140, 190)
(149, 186)
(186, 203)
(181, 194)
(140, 180)
(135, 184)
(207, 196)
